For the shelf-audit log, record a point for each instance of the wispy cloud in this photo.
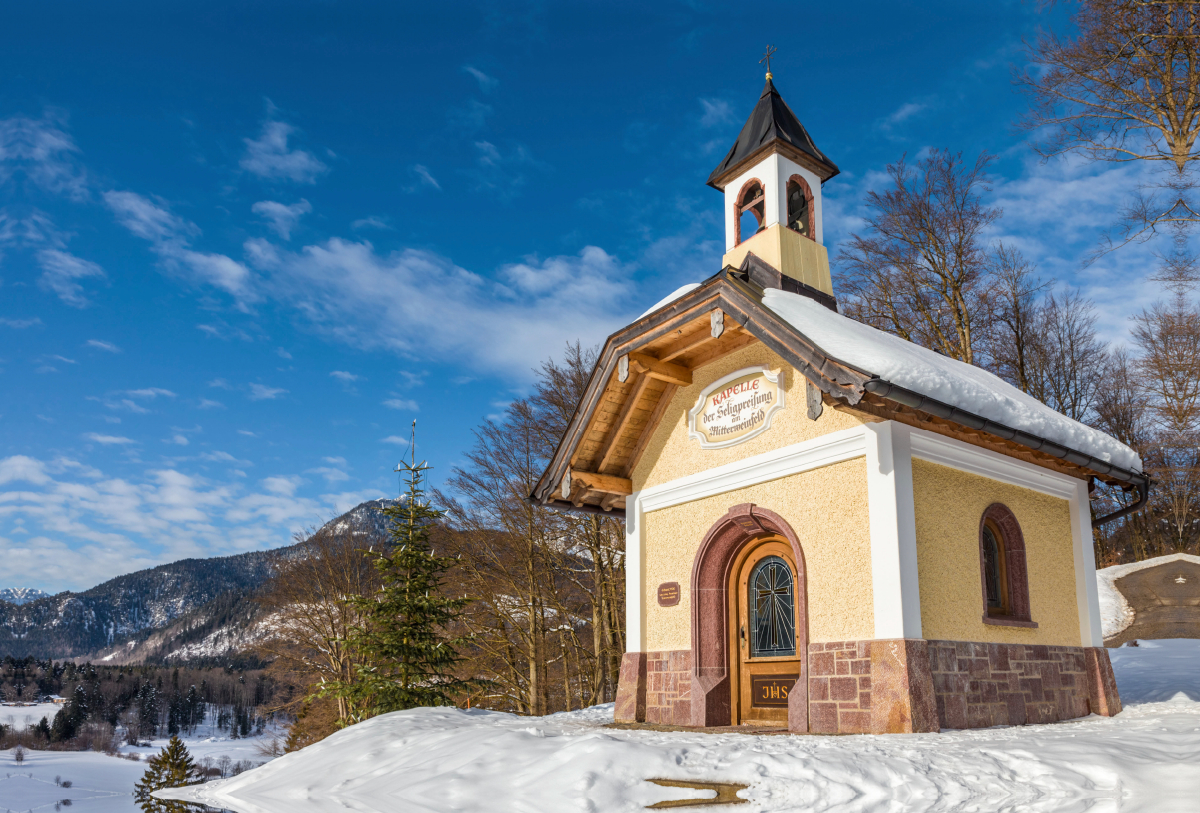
(395, 440)
(208, 403)
(486, 83)
(261, 392)
(170, 238)
(107, 440)
(406, 404)
(98, 344)
(281, 218)
(423, 179)
(716, 112)
(41, 151)
(61, 271)
(269, 156)
(150, 392)
(342, 375)
(370, 223)
(19, 324)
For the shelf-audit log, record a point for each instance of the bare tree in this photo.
(920, 269)
(1126, 88)
(310, 602)
(1015, 319)
(1069, 359)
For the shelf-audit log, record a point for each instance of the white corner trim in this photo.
(1087, 592)
(962, 456)
(634, 617)
(804, 456)
(895, 580)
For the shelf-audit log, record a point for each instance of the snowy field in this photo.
(100, 783)
(441, 760)
(27, 716)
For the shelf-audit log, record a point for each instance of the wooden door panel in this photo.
(763, 685)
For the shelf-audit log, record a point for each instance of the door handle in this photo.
(743, 636)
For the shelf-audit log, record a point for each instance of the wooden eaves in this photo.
(642, 365)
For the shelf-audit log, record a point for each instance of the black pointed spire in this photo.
(773, 122)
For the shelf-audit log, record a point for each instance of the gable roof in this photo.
(853, 364)
(772, 122)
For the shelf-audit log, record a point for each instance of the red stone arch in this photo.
(711, 704)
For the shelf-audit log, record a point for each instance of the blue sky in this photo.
(243, 246)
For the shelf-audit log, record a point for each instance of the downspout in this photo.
(1143, 497)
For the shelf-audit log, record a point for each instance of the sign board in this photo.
(737, 407)
(771, 691)
(668, 594)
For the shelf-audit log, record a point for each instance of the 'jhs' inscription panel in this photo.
(771, 690)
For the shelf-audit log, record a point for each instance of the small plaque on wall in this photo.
(768, 691)
(668, 594)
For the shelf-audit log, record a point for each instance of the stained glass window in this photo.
(991, 570)
(772, 609)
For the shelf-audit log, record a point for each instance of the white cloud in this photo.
(177, 440)
(42, 151)
(150, 392)
(282, 217)
(261, 392)
(395, 440)
(424, 179)
(716, 111)
(61, 271)
(107, 440)
(247, 433)
(331, 475)
(269, 157)
(401, 403)
(335, 461)
(486, 83)
(403, 302)
(19, 324)
(342, 375)
(370, 223)
(108, 347)
(208, 403)
(170, 238)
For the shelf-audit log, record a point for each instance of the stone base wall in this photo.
(839, 687)
(669, 687)
(900, 686)
(980, 685)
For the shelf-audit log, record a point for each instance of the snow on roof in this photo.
(942, 378)
(671, 297)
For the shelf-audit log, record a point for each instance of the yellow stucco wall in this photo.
(826, 507)
(671, 454)
(948, 506)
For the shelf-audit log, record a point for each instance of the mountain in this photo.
(21, 595)
(190, 609)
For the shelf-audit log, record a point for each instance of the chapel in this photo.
(831, 529)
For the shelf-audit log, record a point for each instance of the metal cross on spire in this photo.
(767, 59)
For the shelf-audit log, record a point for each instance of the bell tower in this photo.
(772, 180)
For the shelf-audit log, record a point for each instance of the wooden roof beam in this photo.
(662, 370)
(614, 435)
(604, 483)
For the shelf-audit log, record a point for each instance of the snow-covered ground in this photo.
(1115, 613)
(450, 760)
(100, 783)
(27, 716)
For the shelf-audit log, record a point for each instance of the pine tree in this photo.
(408, 658)
(172, 768)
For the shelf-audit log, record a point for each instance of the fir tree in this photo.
(172, 768)
(408, 657)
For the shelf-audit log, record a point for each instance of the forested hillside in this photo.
(194, 608)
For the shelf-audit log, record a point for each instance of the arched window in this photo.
(800, 213)
(1003, 569)
(750, 213)
(772, 603)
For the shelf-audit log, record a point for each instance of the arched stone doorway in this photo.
(712, 658)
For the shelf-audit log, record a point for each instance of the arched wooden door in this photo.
(768, 642)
